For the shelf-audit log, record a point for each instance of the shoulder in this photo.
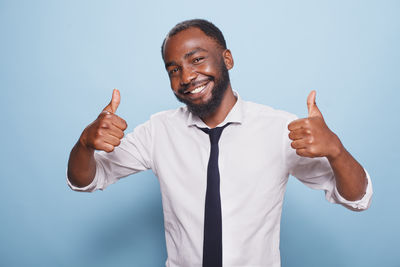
(171, 114)
(170, 117)
(161, 120)
(259, 111)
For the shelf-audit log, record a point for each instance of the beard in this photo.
(206, 109)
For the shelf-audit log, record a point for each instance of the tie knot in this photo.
(214, 133)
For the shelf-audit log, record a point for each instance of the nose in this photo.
(188, 74)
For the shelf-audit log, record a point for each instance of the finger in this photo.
(297, 144)
(119, 122)
(108, 127)
(104, 146)
(110, 118)
(304, 153)
(114, 103)
(115, 131)
(313, 110)
(297, 124)
(299, 134)
(311, 101)
(111, 139)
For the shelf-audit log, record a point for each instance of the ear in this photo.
(228, 59)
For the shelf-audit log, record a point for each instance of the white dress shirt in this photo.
(255, 160)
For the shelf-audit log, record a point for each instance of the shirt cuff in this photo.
(89, 188)
(358, 205)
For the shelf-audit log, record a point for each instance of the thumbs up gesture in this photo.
(106, 132)
(311, 137)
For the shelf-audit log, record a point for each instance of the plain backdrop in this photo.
(59, 61)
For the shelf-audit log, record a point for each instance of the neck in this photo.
(228, 101)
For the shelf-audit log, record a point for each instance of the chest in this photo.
(250, 159)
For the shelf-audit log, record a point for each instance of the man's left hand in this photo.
(311, 136)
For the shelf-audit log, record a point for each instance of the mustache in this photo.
(193, 84)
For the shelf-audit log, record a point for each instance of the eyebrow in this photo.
(191, 53)
(188, 54)
(171, 63)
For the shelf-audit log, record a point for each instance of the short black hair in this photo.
(205, 26)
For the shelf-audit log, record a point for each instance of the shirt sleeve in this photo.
(317, 173)
(133, 155)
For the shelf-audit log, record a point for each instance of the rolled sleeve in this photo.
(358, 205)
(94, 185)
(133, 155)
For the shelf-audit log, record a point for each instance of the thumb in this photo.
(313, 110)
(114, 103)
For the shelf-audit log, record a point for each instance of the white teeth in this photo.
(198, 89)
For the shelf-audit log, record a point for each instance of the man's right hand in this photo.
(106, 132)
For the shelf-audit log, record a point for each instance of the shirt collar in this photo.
(235, 115)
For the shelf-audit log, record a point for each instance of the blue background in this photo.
(60, 60)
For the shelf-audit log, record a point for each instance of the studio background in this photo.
(59, 61)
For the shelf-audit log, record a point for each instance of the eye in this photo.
(198, 59)
(173, 70)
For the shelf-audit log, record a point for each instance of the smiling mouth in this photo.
(197, 90)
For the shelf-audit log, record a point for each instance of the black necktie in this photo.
(212, 246)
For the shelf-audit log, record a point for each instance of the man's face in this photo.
(197, 71)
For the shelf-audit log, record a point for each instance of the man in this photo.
(223, 163)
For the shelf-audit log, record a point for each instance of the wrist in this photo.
(336, 150)
(82, 142)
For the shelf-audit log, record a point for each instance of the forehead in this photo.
(187, 40)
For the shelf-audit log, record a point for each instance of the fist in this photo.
(311, 137)
(106, 132)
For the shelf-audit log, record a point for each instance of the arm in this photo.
(312, 138)
(81, 165)
(350, 176)
(105, 133)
